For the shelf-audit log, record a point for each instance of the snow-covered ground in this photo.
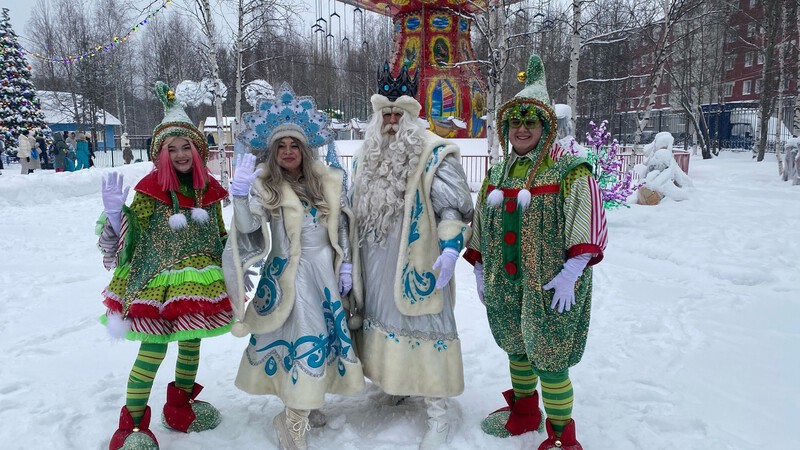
(694, 339)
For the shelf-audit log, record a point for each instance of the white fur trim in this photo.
(199, 215)
(425, 370)
(449, 229)
(240, 329)
(495, 198)
(404, 102)
(117, 327)
(523, 199)
(288, 130)
(177, 221)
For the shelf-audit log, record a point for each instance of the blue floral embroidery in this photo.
(269, 291)
(440, 345)
(392, 337)
(414, 344)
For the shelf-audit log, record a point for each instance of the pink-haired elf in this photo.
(165, 250)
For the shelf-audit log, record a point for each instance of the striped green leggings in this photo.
(140, 380)
(556, 389)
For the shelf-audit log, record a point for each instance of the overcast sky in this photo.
(20, 11)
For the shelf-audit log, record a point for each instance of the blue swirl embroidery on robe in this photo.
(416, 286)
(269, 291)
(313, 351)
(310, 350)
(416, 212)
(434, 159)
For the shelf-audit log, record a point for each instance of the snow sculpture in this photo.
(791, 160)
(660, 172)
(566, 131)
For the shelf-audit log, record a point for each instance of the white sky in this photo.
(20, 12)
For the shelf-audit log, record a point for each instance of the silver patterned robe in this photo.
(404, 350)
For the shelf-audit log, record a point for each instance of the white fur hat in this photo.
(404, 102)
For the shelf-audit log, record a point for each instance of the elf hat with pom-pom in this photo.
(176, 123)
(532, 100)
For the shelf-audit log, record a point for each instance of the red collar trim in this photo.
(149, 186)
(536, 190)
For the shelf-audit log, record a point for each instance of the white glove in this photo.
(114, 199)
(248, 282)
(345, 278)
(478, 271)
(446, 263)
(244, 175)
(564, 283)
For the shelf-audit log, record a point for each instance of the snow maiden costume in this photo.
(413, 222)
(300, 347)
(539, 220)
(165, 250)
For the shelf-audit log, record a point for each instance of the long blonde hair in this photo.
(308, 187)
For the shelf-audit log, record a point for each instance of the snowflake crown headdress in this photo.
(285, 115)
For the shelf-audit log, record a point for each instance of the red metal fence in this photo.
(475, 167)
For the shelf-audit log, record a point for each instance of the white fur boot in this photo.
(291, 426)
(441, 424)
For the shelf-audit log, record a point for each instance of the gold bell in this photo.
(135, 429)
(522, 76)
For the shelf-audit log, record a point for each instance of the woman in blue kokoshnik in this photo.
(292, 209)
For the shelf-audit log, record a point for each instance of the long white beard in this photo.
(380, 186)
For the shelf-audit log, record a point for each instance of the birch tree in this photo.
(574, 59)
(207, 19)
(253, 16)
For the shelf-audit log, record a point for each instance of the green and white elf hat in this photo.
(532, 99)
(176, 123)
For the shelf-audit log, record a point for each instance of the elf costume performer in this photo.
(539, 227)
(165, 249)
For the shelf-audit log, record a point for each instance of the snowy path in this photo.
(694, 340)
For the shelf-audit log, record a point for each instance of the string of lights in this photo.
(105, 47)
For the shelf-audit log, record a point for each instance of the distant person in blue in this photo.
(81, 152)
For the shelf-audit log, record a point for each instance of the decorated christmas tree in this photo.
(19, 107)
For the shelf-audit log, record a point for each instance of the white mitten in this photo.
(244, 175)
(114, 199)
(446, 263)
(478, 271)
(564, 283)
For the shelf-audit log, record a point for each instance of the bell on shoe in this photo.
(130, 436)
(520, 416)
(183, 413)
(291, 426)
(566, 441)
(442, 422)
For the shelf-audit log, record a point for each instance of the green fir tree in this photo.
(19, 106)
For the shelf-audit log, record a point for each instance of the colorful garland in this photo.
(107, 47)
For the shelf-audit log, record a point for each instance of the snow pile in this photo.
(660, 172)
(47, 187)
